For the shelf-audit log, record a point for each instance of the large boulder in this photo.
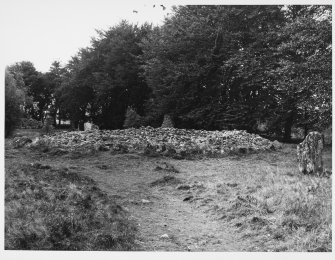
(90, 126)
(310, 154)
(167, 122)
(87, 126)
(275, 145)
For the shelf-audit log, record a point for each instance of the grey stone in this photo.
(101, 147)
(19, 142)
(232, 185)
(309, 154)
(90, 126)
(275, 145)
(183, 187)
(48, 127)
(167, 122)
(145, 201)
(188, 198)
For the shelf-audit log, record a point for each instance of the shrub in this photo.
(30, 123)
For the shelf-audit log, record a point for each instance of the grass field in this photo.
(276, 208)
(255, 202)
(56, 208)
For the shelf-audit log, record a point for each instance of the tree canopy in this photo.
(208, 67)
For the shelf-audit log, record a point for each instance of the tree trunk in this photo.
(306, 125)
(58, 112)
(41, 116)
(305, 131)
(81, 125)
(74, 124)
(288, 127)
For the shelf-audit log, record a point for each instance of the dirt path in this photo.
(165, 221)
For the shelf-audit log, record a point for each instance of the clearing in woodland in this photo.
(247, 202)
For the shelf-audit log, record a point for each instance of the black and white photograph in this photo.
(166, 126)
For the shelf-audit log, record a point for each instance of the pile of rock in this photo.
(170, 142)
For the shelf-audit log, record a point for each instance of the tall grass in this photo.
(56, 209)
(287, 212)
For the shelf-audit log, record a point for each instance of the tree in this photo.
(302, 82)
(36, 85)
(218, 67)
(76, 91)
(205, 65)
(25, 74)
(104, 79)
(119, 83)
(132, 119)
(14, 100)
(55, 78)
(209, 67)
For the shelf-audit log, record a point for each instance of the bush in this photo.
(30, 123)
(12, 115)
(132, 119)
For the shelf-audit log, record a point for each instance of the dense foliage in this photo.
(13, 99)
(132, 119)
(209, 67)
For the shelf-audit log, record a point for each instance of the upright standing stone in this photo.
(87, 126)
(48, 123)
(167, 122)
(310, 154)
(90, 126)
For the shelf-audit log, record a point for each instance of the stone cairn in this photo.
(48, 127)
(310, 154)
(167, 122)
